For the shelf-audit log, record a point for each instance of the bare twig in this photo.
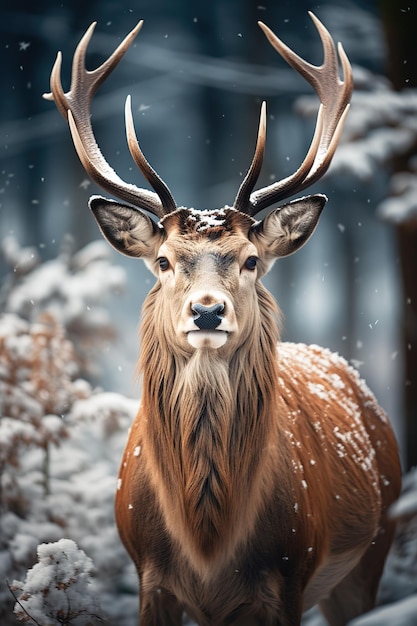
(16, 599)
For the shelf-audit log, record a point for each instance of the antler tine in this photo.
(245, 199)
(147, 170)
(245, 189)
(334, 95)
(75, 106)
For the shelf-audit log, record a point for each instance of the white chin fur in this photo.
(207, 338)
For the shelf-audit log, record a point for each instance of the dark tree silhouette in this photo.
(400, 25)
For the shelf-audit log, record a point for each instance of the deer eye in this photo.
(251, 262)
(163, 263)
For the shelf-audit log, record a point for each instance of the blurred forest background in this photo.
(197, 73)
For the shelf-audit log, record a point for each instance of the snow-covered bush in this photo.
(37, 387)
(60, 440)
(59, 589)
(79, 505)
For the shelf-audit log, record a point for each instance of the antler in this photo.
(75, 106)
(334, 96)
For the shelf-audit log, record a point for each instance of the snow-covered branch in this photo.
(381, 127)
(74, 288)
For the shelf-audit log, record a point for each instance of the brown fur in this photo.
(264, 474)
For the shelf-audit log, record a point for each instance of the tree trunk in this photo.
(400, 25)
(407, 239)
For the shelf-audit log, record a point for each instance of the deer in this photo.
(258, 474)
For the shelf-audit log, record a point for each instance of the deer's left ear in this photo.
(130, 231)
(286, 229)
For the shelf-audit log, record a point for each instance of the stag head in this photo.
(208, 263)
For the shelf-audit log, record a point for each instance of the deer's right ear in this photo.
(287, 229)
(128, 230)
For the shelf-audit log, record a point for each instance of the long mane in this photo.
(210, 422)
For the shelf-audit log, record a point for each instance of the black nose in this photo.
(208, 317)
